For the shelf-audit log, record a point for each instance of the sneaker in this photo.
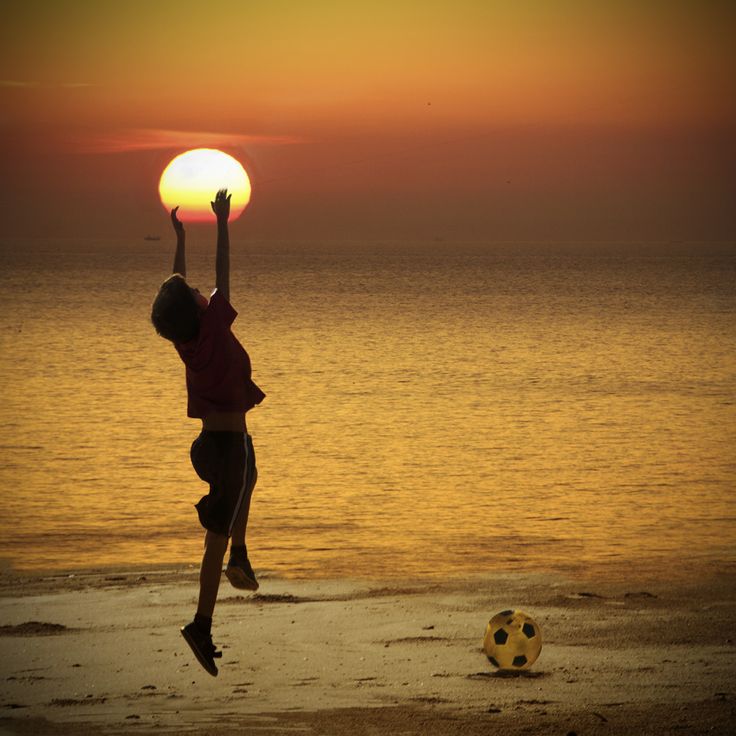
(202, 646)
(240, 573)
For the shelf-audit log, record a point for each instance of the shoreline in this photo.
(21, 583)
(364, 657)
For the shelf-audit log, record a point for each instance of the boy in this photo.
(220, 391)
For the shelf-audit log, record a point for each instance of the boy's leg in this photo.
(241, 521)
(198, 633)
(239, 571)
(210, 572)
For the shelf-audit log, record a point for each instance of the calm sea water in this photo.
(433, 409)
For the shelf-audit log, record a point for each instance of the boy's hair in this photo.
(175, 312)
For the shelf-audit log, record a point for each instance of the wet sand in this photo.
(100, 652)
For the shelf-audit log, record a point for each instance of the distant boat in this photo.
(152, 237)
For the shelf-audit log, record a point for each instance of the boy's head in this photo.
(176, 310)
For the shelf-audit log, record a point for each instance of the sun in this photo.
(191, 180)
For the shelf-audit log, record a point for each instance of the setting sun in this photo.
(191, 180)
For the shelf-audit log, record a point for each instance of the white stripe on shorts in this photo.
(242, 488)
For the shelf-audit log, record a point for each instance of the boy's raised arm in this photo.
(180, 258)
(221, 208)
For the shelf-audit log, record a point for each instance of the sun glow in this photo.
(191, 180)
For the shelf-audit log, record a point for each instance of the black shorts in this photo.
(227, 462)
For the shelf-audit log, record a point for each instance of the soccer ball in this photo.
(512, 641)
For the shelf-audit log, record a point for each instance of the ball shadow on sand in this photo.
(507, 674)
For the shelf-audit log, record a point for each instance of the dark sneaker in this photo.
(240, 573)
(202, 646)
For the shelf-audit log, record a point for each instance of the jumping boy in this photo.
(220, 391)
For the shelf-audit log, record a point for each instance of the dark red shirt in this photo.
(218, 368)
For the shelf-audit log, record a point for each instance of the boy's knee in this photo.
(212, 539)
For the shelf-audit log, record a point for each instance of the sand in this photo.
(100, 652)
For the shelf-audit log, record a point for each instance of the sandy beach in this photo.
(100, 652)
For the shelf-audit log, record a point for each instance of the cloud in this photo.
(147, 139)
(15, 83)
(37, 85)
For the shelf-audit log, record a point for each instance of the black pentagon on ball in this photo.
(519, 661)
(493, 661)
(500, 637)
(506, 613)
(528, 629)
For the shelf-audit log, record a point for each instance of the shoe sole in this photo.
(208, 666)
(238, 579)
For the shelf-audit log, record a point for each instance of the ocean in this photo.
(433, 410)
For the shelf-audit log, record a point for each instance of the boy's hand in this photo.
(176, 222)
(221, 205)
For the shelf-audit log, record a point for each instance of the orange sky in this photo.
(484, 120)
